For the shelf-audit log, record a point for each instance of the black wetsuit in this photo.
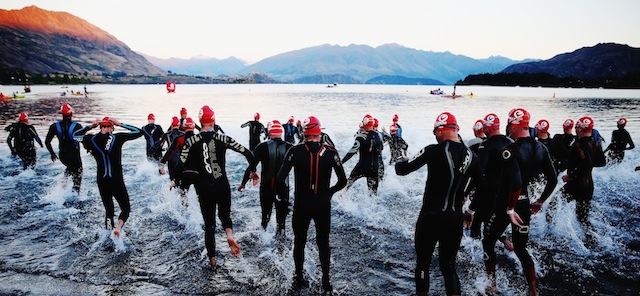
(168, 138)
(397, 147)
(313, 163)
(620, 141)
(450, 167)
(21, 142)
(204, 154)
(580, 186)
(271, 154)
(153, 134)
(490, 155)
(562, 144)
(368, 146)
(523, 162)
(107, 151)
(290, 132)
(172, 155)
(256, 129)
(69, 148)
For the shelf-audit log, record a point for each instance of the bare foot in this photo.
(235, 249)
(118, 228)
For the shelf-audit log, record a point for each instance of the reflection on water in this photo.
(54, 238)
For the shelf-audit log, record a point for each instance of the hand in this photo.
(54, 157)
(535, 207)
(566, 178)
(515, 218)
(95, 123)
(114, 121)
(172, 185)
(161, 170)
(240, 188)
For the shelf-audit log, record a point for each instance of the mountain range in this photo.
(38, 41)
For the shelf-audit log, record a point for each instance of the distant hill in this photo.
(40, 41)
(362, 62)
(199, 65)
(599, 61)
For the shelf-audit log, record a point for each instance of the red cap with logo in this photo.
(542, 125)
(519, 118)
(151, 116)
(622, 121)
(568, 123)
(175, 122)
(585, 123)
(275, 130)
(367, 121)
(207, 116)
(478, 125)
(491, 120)
(66, 109)
(445, 120)
(106, 121)
(311, 126)
(393, 128)
(23, 117)
(189, 125)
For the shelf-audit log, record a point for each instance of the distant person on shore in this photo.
(313, 163)
(620, 141)
(69, 148)
(21, 141)
(106, 148)
(450, 166)
(204, 153)
(271, 154)
(256, 130)
(153, 134)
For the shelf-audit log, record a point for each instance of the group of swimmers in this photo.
(493, 170)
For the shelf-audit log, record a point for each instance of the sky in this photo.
(253, 30)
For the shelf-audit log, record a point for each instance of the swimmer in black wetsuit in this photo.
(579, 180)
(271, 154)
(256, 130)
(480, 136)
(172, 157)
(620, 141)
(368, 145)
(69, 148)
(21, 141)
(106, 148)
(450, 166)
(490, 156)
(523, 161)
(313, 162)
(153, 134)
(290, 131)
(204, 154)
(562, 144)
(397, 145)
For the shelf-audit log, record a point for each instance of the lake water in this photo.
(52, 241)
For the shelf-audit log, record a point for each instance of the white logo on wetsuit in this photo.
(209, 160)
(506, 154)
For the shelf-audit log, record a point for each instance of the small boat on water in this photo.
(437, 92)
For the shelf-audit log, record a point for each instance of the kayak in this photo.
(452, 96)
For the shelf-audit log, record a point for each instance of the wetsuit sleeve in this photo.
(47, 141)
(283, 173)
(170, 150)
(327, 140)
(585, 163)
(404, 167)
(352, 151)
(133, 134)
(34, 134)
(549, 172)
(629, 140)
(10, 140)
(339, 170)
(248, 123)
(78, 134)
(253, 167)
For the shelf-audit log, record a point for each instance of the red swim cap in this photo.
(568, 123)
(206, 115)
(256, 116)
(445, 120)
(367, 121)
(183, 111)
(585, 123)
(175, 122)
(275, 130)
(23, 117)
(478, 125)
(542, 125)
(519, 117)
(622, 121)
(491, 120)
(395, 118)
(393, 128)
(66, 109)
(311, 126)
(151, 117)
(106, 122)
(189, 125)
